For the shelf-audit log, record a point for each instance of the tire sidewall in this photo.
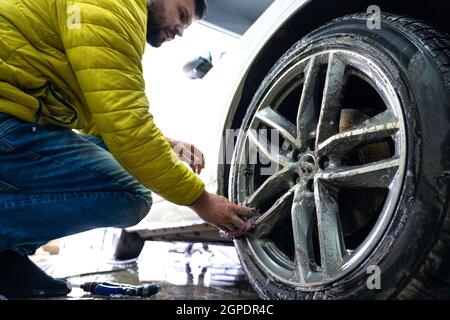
(421, 206)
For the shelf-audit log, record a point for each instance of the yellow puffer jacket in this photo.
(77, 64)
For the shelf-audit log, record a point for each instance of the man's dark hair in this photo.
(200, 8)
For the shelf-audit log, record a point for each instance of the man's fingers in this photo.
(196, 168)
(244, 211)
(192, 149)
(228, 228)
(237, 222)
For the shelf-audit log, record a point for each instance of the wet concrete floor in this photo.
(168, 291)
(183, 271)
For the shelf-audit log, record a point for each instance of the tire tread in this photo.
(432, 279)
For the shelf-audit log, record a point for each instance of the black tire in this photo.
(413, 255)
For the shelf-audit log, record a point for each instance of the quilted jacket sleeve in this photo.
(104, 49)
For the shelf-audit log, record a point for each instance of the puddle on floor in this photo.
(183, 271)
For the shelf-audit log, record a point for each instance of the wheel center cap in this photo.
(308, 164)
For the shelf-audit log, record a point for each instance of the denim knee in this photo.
(141, 204)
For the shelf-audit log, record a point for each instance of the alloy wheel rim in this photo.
(314, 175)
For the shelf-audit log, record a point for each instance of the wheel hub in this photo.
(342, 153)
(308, 165)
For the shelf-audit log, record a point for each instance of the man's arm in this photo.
(105, 52)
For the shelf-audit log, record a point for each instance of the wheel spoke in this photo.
(283, 179)
(381, 126)
(281, 83)
(308, 115)
(374, 175)
(271, 151)
(332, 98)
(269, 219)
(274, 120)
(303, 210)
(331, 239)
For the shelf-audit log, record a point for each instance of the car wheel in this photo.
(354, 202)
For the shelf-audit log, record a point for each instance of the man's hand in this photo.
(188, 153)
(220, 212)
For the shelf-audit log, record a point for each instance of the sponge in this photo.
(249, 225)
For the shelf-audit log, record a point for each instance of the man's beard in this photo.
(155, 23)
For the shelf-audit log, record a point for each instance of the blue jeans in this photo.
(55, 182)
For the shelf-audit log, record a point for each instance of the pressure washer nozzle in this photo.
(110, 289)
